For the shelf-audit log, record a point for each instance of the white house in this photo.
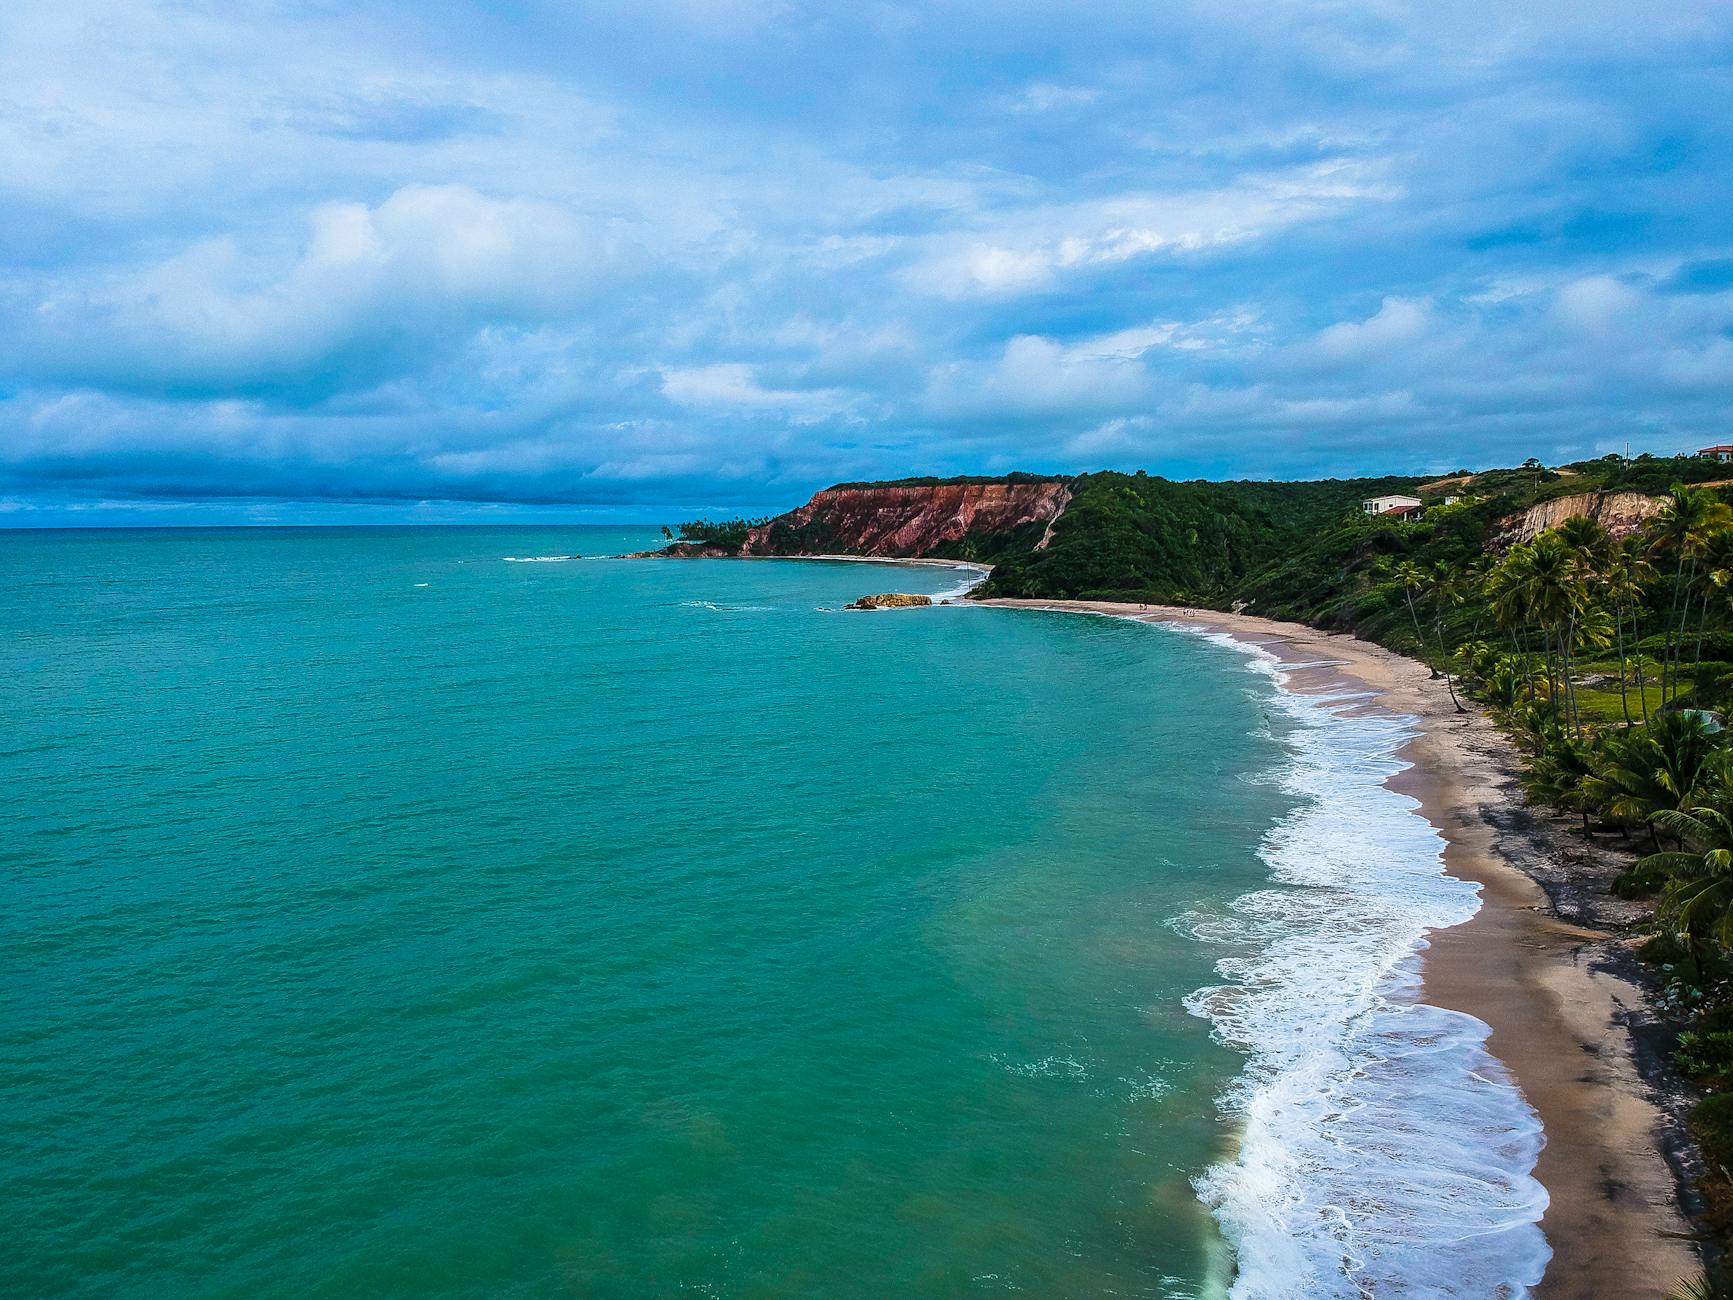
(1399, 507)
(1722, 453)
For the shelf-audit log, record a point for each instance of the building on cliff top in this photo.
(1394, 506)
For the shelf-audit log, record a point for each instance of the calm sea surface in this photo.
(385, 917)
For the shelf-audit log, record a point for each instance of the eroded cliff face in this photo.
(953, 520)
(1620, 513)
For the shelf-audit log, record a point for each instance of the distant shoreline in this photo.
(1558, 996)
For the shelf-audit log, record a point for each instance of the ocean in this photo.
(458, 912)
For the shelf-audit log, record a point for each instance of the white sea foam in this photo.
(540, 559)
(1384, 1151)
(975, 575)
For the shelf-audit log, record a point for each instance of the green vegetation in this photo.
(727, 533)
(1139, 537)
(1302, 551)
(927, 480)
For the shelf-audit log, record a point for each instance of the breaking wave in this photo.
(1384, 1151)
(975, 577)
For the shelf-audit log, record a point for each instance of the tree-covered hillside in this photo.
(1296, 550)
(1137, 537)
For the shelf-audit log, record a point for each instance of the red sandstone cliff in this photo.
(910, 519)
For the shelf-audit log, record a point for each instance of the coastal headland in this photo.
(1566, 1009)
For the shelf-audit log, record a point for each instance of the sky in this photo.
(352, 261)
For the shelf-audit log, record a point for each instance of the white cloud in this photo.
(728, 386)
(426, 257)
(1397, 322)
(1034, 375)
(1045, 97)
(1037, 249)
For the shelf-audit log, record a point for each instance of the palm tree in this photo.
(1717, 565)
(1413, 579)
(1627, 573)
(1554, 594)
(1503, 685)
(1653, 769)
(1698, 899)
(1507, 592)
(1447, 592)
(1539, 724)
(1472, 576)
(1687, 516)
(1592, 544)
(1444, 589)
(1560, 775)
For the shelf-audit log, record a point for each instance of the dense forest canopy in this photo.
(1293, 549)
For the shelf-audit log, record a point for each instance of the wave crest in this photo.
(1384, 1150)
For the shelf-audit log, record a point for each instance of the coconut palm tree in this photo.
(1657, 768)
(1592, 544)
(1560, 775)
(1698, 899)
(1507, 592)
(1539, 724)
(1449, 588)
(1716, 562)
(1413, 579)
(1687, 517)
(1445, 591)
(1626, 576)
(1503, 685)
(1554, 595)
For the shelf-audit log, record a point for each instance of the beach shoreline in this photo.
(1566, 1010)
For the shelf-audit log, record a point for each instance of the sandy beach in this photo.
(1567, 1013)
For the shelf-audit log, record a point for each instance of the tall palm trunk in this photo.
(1619, 636)
(1684, 620)
(1570, 678)
(1444, 658)
(1527, 663)
(1673, 608)
(1702, 618)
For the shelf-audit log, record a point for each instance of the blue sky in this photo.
(349, 261)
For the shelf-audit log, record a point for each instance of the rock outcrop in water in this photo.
(890, 600)
(1620, 513)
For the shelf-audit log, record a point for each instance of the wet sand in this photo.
(1566, 1013)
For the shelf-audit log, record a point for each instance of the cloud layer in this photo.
(697, 253)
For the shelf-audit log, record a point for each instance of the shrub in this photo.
(1706, 1055)
(1712, 1126)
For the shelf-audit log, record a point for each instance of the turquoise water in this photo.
(385, 918)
